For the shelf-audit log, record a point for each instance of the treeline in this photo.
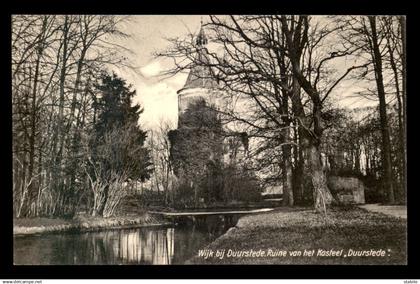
(198, 164)
(287, 68)
(352, 147)
(76, 140)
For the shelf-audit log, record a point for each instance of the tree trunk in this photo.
(299, 177)
(298, 174)
(321, 194)
(287, 171)
(404, 100)
(313, 179)
(386, 143)
(59, 134)
(357, 160)
(392, 61)
(101, 208)
(314, 182)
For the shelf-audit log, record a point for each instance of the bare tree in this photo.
(111, 166)
(381, 45)
(268, 60)
(159, 144)
(55, 61)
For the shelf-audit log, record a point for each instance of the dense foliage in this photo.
(197, 154)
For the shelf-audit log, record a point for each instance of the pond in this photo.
(149, 245)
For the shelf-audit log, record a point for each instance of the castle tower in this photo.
(200, 83)
(204, 144)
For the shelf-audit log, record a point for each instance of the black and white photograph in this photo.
(209, 139)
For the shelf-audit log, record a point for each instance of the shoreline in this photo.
(85, 224)
(41, 225)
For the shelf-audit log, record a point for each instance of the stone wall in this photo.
(347, 189)
(273, 189)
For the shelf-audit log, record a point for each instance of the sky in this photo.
(158, 97)
(148, 35)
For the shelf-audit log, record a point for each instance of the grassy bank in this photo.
(130, 213)
(287, 230)
(28, 226)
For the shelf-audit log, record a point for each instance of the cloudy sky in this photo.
(149, 35)
(158, 96)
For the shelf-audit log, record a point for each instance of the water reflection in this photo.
(151, 247)
(163, 246)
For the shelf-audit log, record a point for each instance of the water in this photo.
(154, 245)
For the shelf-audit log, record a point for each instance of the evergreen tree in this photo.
(114, 106)
(117, 143)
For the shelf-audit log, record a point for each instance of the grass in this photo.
(29, 226)
(300, 229)
(38, 222)
(129, 214)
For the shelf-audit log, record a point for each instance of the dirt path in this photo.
(399, 211)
